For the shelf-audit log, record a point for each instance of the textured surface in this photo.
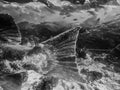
(41, 50)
